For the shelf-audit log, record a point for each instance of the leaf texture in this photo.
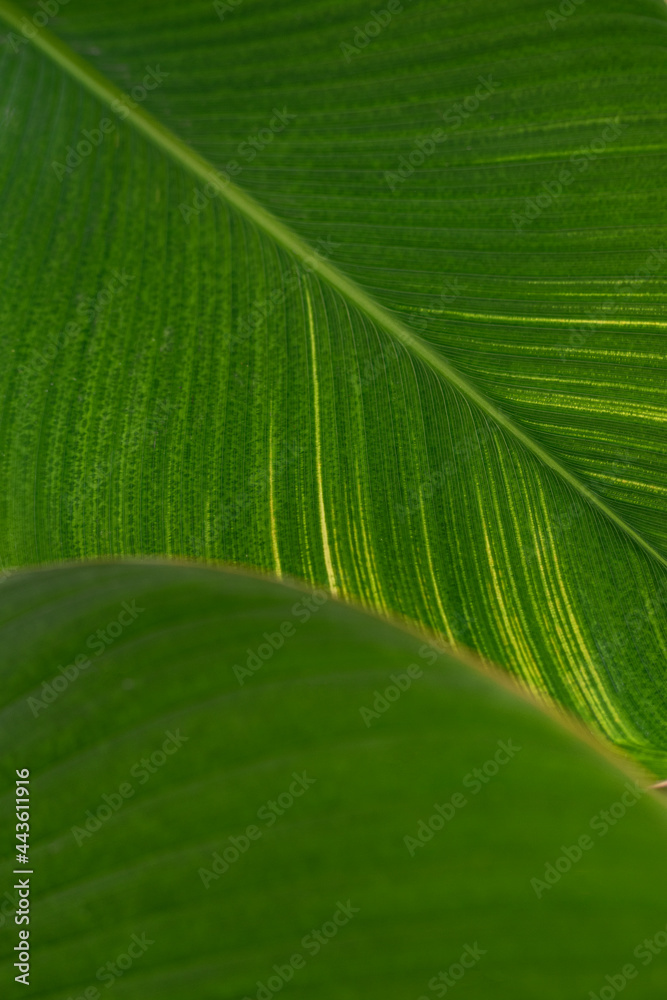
(145, 866)
(445, 413)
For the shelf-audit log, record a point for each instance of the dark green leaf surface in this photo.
(450, 415)
(171, 670)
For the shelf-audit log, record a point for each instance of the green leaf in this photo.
(148, 755)
(446, 414)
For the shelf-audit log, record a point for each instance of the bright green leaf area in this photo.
(454, 413)
(162, 643)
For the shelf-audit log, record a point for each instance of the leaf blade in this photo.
(368, 464)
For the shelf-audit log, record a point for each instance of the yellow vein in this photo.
(197, 165)
(449, 635)
(512, 319)
(272, 507)
(331, 577)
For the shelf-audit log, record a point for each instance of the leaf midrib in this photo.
(178, 150)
